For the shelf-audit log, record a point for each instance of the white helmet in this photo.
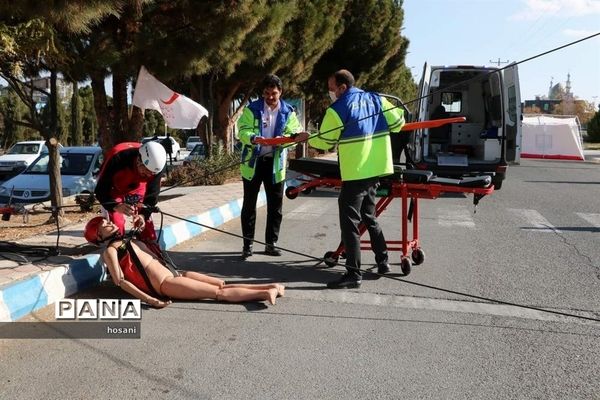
(154, 156)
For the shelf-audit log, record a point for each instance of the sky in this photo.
(481, 32)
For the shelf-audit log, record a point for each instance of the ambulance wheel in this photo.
(289, 194)
(405, 266)
(330, 260)
(418, 256)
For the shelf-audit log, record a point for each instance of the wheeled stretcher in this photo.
(403, 184)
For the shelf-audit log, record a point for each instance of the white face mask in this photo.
(332, 96)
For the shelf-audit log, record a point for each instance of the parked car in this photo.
(191, 142)
(19, 156)
(175, 147)
(198, 153)
(79, 168)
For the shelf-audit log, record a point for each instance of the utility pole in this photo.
(499, 62)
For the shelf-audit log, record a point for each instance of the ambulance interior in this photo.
(478, 140)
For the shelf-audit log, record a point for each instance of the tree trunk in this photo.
(198, 93)
(121, 119)
(102, 115)
(136, 123)
(54, 160)
(76, 123)
(225, 121)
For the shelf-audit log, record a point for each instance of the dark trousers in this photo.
(263, 174)
(357, 203)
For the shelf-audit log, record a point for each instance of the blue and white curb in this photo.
(17, 299)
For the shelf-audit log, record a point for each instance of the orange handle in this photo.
(434, 123)
(276, 141)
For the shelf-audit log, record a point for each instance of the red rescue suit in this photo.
(119, 181)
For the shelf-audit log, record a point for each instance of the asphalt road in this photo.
(533, 243)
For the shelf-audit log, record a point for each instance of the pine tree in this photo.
(371, 47)
(76, 125)
(31, 44)
(89, 122)
(593, 128)
(12, 110)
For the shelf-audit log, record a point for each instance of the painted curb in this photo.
(17, 299)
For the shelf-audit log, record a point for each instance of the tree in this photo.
(62, 122)
(30, 44)
(76, 125)
(89, 122)
(230, 45)
(593, 128)
(153, 122)
(532, 110)
(371, 47)
(581, 108)
(12, 110)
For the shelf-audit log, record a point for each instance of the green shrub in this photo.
(593, 128)
(217, 169)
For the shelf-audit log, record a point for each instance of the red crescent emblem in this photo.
(173, 97)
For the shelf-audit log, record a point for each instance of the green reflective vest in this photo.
(249, 126)
(360, 123)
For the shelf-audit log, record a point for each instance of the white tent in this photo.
(551, 137)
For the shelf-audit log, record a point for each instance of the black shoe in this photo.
(246, 252)
(383, 269)
(270, 250)
(347, 281)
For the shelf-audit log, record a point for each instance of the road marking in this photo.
(421, 303)
(534, 220)
(313, 207)
(459, 216)
(593, 219)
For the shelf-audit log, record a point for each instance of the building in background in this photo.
(65, 90)
(557, 94)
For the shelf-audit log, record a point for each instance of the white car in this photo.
(191, 142)
(19, 156)
(175, 147)
(79, 170)
(198, 153)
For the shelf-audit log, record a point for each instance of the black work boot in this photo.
(383, 268)
(246, 252)
(271, 250)
(349, 280)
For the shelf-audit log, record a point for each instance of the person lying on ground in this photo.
(129, 259)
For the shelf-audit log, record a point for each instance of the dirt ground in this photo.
(35, 221)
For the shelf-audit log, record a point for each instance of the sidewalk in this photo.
(592, 155)
(26, 288)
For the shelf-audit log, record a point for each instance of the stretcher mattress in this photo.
(330, 169)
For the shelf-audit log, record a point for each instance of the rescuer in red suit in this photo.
(129, 182)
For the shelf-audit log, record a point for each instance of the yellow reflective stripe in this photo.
(399, 123)
(364, 138)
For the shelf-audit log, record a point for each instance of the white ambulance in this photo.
(490, 137)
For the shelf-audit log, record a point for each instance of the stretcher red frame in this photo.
(397, 188)
(434, 123)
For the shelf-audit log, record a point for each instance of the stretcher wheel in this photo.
(289, 194)
(418, 256)
(308, 190)
(405, 266)
(330, 260)
(497, 182)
